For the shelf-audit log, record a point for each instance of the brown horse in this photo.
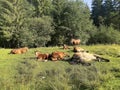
(58, 56)
(65, 46)
(19, 50)
(41, 56)
(75, 41)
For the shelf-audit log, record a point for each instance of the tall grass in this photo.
(23, 72)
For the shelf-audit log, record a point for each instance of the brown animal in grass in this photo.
(24, 50)
(86, 58)
(75, 41)
(65, 46)
(58, 56)
(78, 49)
(19, 50)
(41, 56)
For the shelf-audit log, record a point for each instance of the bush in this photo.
(105, 35)
(41, 29)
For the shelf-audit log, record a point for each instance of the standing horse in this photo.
(75, 41)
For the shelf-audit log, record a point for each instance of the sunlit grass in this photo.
(23, 72)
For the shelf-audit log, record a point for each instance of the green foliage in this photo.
(106, 12)
(105, 35)
(41, 29)
(19, 28)
(36, 23)
(70, 18)
(12, 19)
(76, 15)
(60, 30)
(97, 13)
(42, 7)
(26, 37)
(112, 11)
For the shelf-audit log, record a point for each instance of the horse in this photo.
(78, 49)
(24, 49)
(75, 41)
(58, 56)
(65, 46)
(85, 58)
(41, 56)
(19, 50)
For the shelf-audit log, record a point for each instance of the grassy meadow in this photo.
(23, 72)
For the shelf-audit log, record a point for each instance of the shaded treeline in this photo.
(35, 23)
(106, 12)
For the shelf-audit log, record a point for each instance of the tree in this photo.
(41, 22)
(42, 7)
(58, 6)
(105, 35)
(42, 30)
(115, 15)
(106, 12)
(70, 18)
(13, 14)
(97, 12)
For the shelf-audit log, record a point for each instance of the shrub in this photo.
(42, 29)
(105, 35)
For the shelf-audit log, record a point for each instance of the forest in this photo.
(36, 23)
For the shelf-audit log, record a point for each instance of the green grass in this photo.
(23, 72)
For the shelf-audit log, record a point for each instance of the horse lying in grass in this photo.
(58, 56)
(77, 49)
(54, 56)
(19, 50)
(75, 41)
(41, 56)
(65, 46)
(85, 58)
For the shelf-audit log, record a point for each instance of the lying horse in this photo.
(19, 50)
(65, 46)
(75, 41)
(78, 49)
(58, 56)
(41, 56)
(85, 58)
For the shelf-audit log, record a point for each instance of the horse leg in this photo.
(104, 59)
(101, 59)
